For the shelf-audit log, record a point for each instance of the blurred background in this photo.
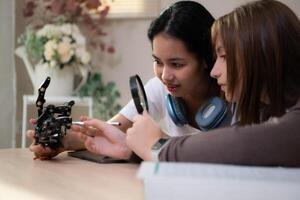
(113, 46)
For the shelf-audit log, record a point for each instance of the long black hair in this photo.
(189, 22)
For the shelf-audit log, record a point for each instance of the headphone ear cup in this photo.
(211, 114)
(176, 110)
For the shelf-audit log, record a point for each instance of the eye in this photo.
(177, 65)
(222, 57)
(157, 62)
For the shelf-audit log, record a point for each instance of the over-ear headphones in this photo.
(210, 115)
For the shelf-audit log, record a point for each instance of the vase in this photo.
(62, 80)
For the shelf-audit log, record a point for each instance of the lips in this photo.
(172, 88)
(222, 85)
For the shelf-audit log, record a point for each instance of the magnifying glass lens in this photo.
(138, 94)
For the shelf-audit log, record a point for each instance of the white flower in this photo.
(50, 46)
(53, 64)
(66, 39)
(86, 58)
(66, 29)
(79, 51)
(42, 32)
(75, 29)
(63, 44)
(49, 31)
(80, 40)
(48, 54)
(83, 55)
(64, 51)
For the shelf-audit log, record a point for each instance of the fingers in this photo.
(81, 136)
(90, 146)
(33, 121)
(39, 149)
(101, 145)
(97, 128)
(97, 124)
(30, 134)
(43, 153)
(89, 131)
(76, 128)
(106, 130)
(84, 118)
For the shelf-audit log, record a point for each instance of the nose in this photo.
(215, 72)
(167, 74)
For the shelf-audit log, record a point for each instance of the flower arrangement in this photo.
(57, 46)
(53, 38)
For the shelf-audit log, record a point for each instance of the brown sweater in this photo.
(273, 143)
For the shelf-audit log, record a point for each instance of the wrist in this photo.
(160, 144)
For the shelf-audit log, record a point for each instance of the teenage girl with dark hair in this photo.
(183, 59)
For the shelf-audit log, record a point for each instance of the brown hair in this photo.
(261, 40)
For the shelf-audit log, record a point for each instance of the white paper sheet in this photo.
(199, 181)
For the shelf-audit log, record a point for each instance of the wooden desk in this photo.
(65, 177)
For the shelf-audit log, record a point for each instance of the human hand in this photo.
(101, 138)
(41, 152)
(144, 133)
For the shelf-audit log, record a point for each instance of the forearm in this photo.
(125, 123)
(268, 145)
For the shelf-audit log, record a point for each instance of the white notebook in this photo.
(209, 181)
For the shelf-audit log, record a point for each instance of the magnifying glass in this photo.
(138, 94)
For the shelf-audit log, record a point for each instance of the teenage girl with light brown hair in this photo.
(257, 66)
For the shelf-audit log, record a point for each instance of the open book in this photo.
(164, 180)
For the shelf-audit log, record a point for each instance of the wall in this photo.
(133, 50)
(133, 53)
(7, 74)
(221, 7)
(23, 82)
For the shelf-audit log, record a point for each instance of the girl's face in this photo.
(177, 68)
(219, 71)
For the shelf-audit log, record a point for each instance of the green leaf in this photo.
(34, 45)
(104, 96)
